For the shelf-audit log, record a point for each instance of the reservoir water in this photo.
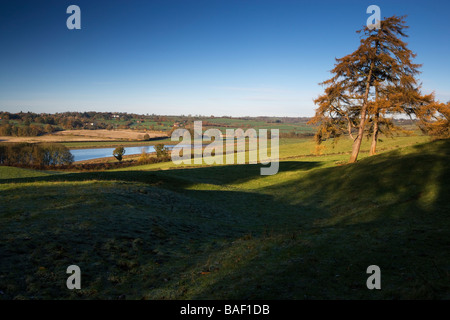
(95, 153)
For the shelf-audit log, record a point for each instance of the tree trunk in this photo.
(357, 143)
(373, 147)
(358, 140)
(376, 120)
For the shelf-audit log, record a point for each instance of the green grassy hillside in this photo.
(15, 173)
(309, 232)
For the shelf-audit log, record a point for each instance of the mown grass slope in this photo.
(14, 173)
(309, 232)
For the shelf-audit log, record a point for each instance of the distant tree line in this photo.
(34, 155)
(31, 130)
(33, 124)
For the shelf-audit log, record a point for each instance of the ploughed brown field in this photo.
(87, 135)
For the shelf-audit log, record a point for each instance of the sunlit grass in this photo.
(12, 172)
(226, 232)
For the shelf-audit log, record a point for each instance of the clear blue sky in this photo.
(210, 57)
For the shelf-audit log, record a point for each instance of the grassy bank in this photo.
(225, 232)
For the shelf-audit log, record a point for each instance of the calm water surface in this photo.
(95, 153)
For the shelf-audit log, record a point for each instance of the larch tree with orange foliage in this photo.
(369, 87)
(434, 119)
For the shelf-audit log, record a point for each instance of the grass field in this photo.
(88, 136)
(225, 232)
(330, 153)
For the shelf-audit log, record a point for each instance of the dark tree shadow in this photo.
(226, 174)
(315, 239)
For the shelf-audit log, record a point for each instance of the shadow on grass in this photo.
(179, 178)
(232, 174)
(309, 238)
(331, 263)
(391, 210)
(129, 239)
